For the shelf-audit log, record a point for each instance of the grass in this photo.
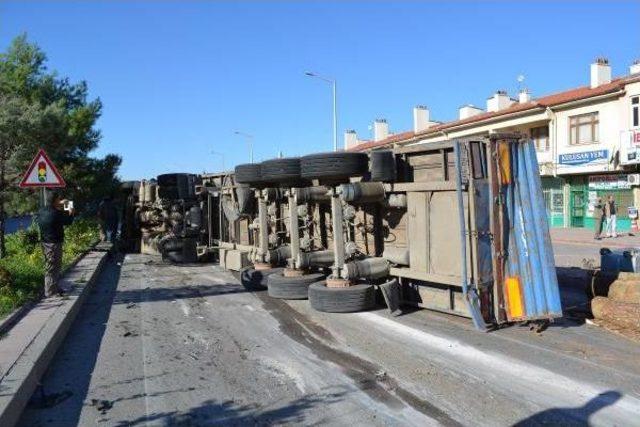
(22, 270)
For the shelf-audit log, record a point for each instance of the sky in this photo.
(177, 79)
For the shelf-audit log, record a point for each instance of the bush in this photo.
(22, 270)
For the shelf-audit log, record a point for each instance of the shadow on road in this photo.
(191, 291)
(78, 354)
(227, 413)
(578, 416)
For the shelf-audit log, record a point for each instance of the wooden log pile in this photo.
(621, 307)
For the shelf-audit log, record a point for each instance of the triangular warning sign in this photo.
(42, 173)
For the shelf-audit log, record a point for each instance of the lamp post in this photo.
(335, 106)
(249, 141)
(217, 153)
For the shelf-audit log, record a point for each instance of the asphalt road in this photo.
(170, 345)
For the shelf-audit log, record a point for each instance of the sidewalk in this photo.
(584, 236)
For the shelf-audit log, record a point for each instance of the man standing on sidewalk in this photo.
(108, 214)
(599, 214)
(51, 219)
(611, 217)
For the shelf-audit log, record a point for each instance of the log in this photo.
(625, 291)
(622, 314)
(624, 275)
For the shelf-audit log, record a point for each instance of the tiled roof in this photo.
(544, 102)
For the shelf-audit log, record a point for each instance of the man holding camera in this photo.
(52, 219)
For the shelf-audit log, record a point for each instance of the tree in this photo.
(17, 119)
(39, 109)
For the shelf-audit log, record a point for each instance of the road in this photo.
(188, 345)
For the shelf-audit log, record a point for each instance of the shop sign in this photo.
(609, 182)
(630, 147)
(583, 157)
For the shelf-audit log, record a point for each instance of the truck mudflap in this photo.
(524, 272)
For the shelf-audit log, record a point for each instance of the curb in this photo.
(12, 318)
(20, 381)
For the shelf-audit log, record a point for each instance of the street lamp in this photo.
(249, 141)
(217, 153)
(335, 107)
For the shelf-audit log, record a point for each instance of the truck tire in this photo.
(281, 170)
(186, 187)
(168, 179)
(169, 193)
(172, 245)
(336, 165)
(291, 287)
(341, 300)
(248, 173)
(383, 166)
(253, 279)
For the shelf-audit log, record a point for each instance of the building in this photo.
(587, 139)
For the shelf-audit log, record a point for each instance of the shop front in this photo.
(586, 190)
(554, 197)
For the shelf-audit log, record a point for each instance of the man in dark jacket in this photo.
(600, 217)
(51, 219)
(108, 214)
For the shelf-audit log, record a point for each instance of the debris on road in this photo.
(102, 405)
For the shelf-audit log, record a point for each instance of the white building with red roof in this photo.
(587, 138)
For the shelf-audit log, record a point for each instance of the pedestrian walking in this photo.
(611, 217)
(108, 215)
(52, 218)
(599, 214)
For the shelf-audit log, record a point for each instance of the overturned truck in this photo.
(455, 226)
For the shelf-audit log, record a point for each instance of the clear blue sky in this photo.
(177, 79)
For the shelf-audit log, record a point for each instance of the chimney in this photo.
(350, 139)
(499, 101)
(635, 67)
(468, 110)
(420, 118)
(380, 129)
(524, 96)
(600, 72)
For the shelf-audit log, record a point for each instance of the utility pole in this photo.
(249, 141)
(335, 105)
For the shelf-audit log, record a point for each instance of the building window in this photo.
(635, 111)
(583, 129)
(540, 136)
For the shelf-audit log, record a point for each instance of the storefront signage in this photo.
(630, 147)
(583, 157)
(609, 182)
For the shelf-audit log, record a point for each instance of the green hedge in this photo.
(22, 270)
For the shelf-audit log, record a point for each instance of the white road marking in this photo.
(185, 308)
(248, 307)
(536, 380)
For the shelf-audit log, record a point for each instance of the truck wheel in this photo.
(281, 170)
(341, 300)
(383, 166)
(248, 173)
(291, 287)
(257, 279)
(334, 165)
(169, 192)
(168, 179)
(172, 245)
